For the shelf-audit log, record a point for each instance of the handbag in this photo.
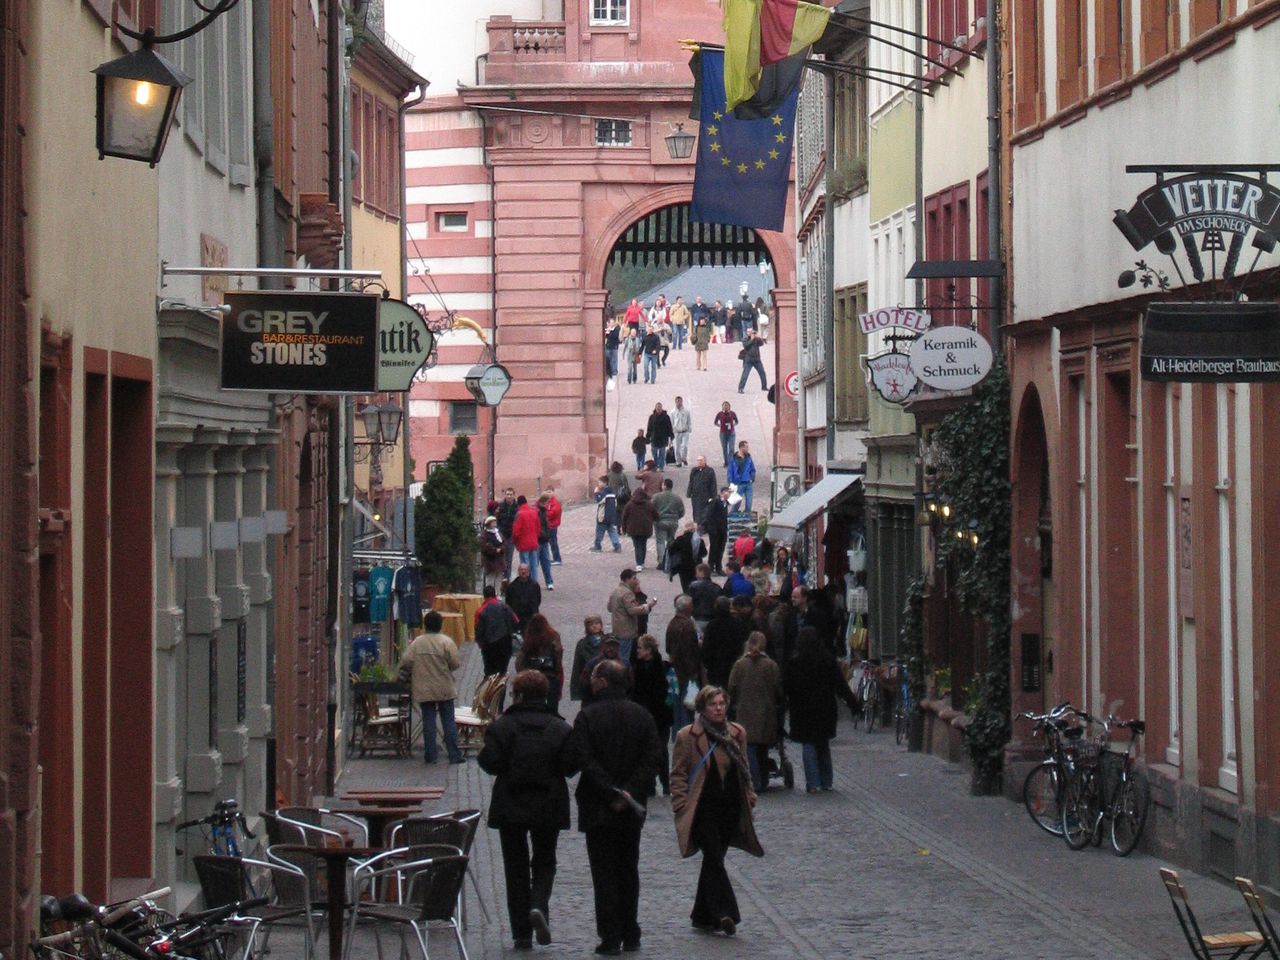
(671, 453)
(742, 354)
(690, 696)
(858, 555)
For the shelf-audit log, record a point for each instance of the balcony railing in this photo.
(526, 41)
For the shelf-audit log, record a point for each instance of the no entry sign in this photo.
(792, 383)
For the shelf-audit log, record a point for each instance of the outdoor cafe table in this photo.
(464, 603)
(386, 796)
(454, 627)
(336, 860)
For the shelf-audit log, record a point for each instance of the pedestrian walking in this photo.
(526, 532)
(555, 516)
(612, 340)
(652, 347)
(544, 539)
(685, 656)
(639, 447)
(723, 642)
(610, 649)
(716, 523)
(703, 330)
(633, 315)
(682, 427)
(712, 799)
(704, 592)
(638, 517)
(633, 350)
(584, 651)
(702, 489)
(492, 553)
(742, 474)
(726, 422)
(812, 682)
(606, 514)
(681, 322)
(659, 434)
(650, 479)
(744, 318)
(506, 515)
(625, 610)
(529, 752)
(524, 596)
(750, 357)
(496, 627)
(755, 687)
(762, 319)
(651, 689)
(669, 508)
(617, 480)
(430, 661)
(616, 744)
(684, 553)
(736, 584)
(542, 650)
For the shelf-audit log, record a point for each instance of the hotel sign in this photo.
(1201, 202)
(285, 342)
(1211, 343)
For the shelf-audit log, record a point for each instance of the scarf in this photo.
(720, 737)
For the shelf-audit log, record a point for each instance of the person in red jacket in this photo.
(555, 511)
(524, 533)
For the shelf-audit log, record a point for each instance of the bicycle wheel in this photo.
(1079, 809)
(1129, 813)
(1042, 796)
(900, 726)
(870, 707)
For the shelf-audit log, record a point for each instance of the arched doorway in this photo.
(1031, 548)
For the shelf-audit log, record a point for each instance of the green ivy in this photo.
(973, 470)
(444, 522)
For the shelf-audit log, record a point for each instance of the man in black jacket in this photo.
(616, 744)
(528, 750)
(716, 523)
(506, 515)
(659, 434)
(744, 318)
(702, 490)
(524, 596)
(704, 591)
(751, 360)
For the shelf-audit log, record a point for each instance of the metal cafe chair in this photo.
(431, 898)
(227, 880)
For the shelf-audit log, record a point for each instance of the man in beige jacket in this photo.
(432, 657)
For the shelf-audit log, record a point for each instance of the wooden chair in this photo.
(485, 707)
(1246, 944)
(378, 728)
(1261, 919)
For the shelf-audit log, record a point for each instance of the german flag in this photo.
(760, 33)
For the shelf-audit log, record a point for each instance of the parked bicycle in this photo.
(219, 829)
(1106, 789)
(906, 705)
(868, 691)
(98, 932)
(1062, 729)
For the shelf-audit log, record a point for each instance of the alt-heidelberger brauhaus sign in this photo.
(287, 342)
(1209, 215)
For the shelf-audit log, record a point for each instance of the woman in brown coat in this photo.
(638, 517)
(755, 685)
(712, 798)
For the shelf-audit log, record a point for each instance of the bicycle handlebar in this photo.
(122, 911)
(104, 918)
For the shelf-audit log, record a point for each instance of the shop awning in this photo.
(783, 525)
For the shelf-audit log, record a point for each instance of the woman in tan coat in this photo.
(712, 798)
(755, 685)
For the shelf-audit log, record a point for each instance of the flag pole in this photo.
(867, 21)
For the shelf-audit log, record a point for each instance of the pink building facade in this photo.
(562, 150)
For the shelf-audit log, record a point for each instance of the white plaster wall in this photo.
(955, 130)
(445, 37)
(852, 258)
(1068, 184)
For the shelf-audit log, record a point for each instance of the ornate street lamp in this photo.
(680, 143)
(137, 101)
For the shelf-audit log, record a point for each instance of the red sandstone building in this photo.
(519, 187)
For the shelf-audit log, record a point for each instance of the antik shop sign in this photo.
(286, 342)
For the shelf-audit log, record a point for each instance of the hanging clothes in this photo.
(379, 593)
(360, 595)
(408, 591)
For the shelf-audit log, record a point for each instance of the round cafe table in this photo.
(464, 603)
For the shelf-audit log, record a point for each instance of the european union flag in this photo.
(744, 166)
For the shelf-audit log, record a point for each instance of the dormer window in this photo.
(609, 13)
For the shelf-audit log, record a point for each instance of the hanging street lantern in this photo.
(137, 101)
(488, 383)
(680, 143)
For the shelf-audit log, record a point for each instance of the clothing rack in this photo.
(404, 556)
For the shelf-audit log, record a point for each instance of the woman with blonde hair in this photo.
(712, 797)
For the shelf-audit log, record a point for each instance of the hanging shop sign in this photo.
(887, 317)
(286, 342)
(404, 343)
(951, 358)
(892, 376)
(1210, 203)
(488, 383)
(1211, 342)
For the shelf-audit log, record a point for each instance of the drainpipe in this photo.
(402, 111)
(829, 258)
(493, 278)
(915, 731)
(995, 245)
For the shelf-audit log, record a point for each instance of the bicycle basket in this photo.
(1111, 763)
(1087, 751)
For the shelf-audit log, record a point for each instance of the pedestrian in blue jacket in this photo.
(742, 474)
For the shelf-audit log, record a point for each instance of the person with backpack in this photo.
(542, 650)
(744, 317)
(529, 751)
(606, 514)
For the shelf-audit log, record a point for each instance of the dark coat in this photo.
(616, 744)
(529, 750)
(704, 594)
(638, 515)
(651, 343)
(494, 626)
(702, 490)
(681, 556)
(659, 431)
(507, 517)
(682, 650)
(812, 682)
(524, 597)
(716, 520)
(492, 552)
(722, 645)
(587, 648)
(649, 689)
